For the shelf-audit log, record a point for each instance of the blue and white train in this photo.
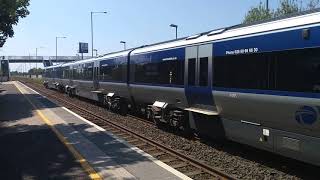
(258, 84)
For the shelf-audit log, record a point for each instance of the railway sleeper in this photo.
(194, 173)
(169, 160)
(180, 165)
(141, 144)
(157, 154)
(150, 149)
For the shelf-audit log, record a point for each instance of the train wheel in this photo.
(149, 114)
(123, 107)
(70, 93)
(186, 130)
(156, 120)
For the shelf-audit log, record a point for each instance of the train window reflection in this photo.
(203, 74)
(292, 70)
(192, 72)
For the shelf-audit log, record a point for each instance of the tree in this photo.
(258, 13)
(286, 7)
(35, 71)
(313, 4)
(10, 13)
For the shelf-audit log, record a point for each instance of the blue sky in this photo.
(137, 22)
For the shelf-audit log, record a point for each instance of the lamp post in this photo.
(124, 44)
(36, 62)
(104, 12)
(176, 27)
(57, 47)
(96, 50)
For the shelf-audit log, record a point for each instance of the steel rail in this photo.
(203, 167)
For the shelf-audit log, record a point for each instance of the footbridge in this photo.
(46, 60)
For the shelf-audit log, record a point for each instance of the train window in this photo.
(113, 70)
(90, 73)
(298, 70)
(241, 71)
(58, 72)
(171, 72)
(87, 71)
(50, 75)
(203, 76)
(105, 72)
(74, 72)
(192, 72)
(158, 70)
(46, 73)
(66, 73)
(54, 73)
(77, 72)
(293, 70)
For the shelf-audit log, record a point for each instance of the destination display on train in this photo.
(242, 51)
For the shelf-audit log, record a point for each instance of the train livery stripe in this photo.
(83, 162)
(278, 41)
(269, 92)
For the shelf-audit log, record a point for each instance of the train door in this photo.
(203, 116)
(96, 75)
(198, 81)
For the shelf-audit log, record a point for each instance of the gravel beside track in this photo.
(240, 161)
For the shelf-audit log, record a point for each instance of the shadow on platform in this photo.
(14, 107)
(38, 154)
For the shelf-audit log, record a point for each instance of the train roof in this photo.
(242, 30)
(238, 31)
(53, 66)
(106, 56)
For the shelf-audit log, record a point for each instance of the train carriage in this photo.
(52, 75)
(257, 84)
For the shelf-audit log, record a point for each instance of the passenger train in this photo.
(4, 71)
(257, 84)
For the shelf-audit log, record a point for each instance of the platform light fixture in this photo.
(102, 12)
(124, 44)
(176, 27)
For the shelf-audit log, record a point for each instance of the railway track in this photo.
(185, 164)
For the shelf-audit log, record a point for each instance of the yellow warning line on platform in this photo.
(84, 163)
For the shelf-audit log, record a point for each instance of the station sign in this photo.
(83, 47)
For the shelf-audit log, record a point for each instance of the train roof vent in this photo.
(193, 37)
(217, 31)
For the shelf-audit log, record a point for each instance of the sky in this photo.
(138, 22)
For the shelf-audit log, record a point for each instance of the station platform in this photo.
(41, 140)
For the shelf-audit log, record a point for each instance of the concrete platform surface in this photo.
(107, 156)
(28, 147)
